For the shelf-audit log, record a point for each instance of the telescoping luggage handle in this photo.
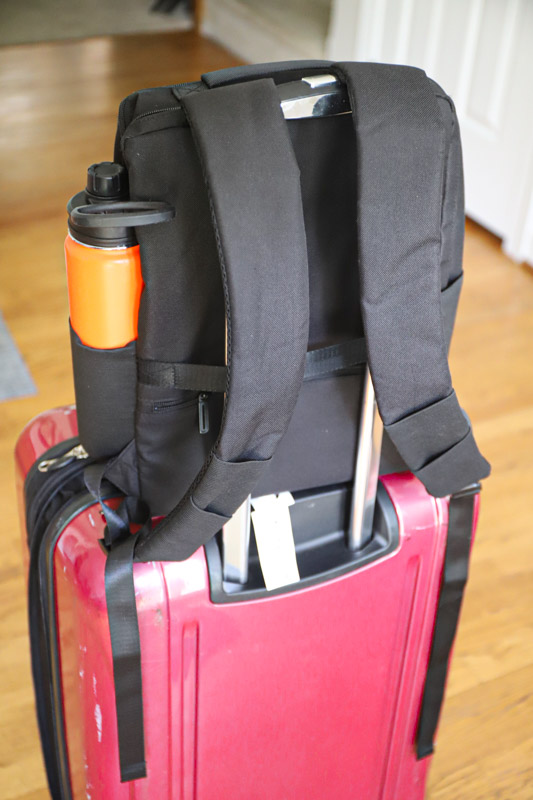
(236, 532)
(319, 96)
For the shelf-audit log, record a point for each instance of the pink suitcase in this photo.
(308, 693)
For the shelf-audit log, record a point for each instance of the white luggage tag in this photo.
(275, 542)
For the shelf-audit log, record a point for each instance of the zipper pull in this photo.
(203, 413)
(77, 453)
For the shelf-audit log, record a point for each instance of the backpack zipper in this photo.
(164, 405)
(162, 110)
(122, 122)
(155, 111)
(203, 413)
(203, 409)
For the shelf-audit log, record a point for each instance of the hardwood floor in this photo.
(59, 104)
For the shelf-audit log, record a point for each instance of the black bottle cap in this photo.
(102, 215)
(107, 181)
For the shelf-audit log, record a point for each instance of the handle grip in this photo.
(126, 214)
(281, 71)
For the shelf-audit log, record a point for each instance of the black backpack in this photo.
(300, 249)
(306, 235)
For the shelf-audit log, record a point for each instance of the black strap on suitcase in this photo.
(453, 582)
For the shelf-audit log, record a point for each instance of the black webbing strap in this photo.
(193, 377)
(252, 180)
(455, 574)
(126, 649)
(123, 621)
(403, 139)
(205, 378)
(339, 357)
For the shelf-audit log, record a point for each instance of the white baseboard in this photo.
(253, 38)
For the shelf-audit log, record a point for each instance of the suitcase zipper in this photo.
(44, 645)
(48, 476)
(77, 453)
(62, 463)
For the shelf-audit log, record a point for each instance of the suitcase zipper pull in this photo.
(77, 453)
(203, 413)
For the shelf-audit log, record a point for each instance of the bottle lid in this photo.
(107, 181)
(102, 216)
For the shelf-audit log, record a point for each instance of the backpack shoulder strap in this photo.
(252, 179)
(402, 146)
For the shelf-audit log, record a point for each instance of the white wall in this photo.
(481, 52)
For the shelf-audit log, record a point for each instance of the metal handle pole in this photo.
(366, 469)
(236, 533)
(236, 545)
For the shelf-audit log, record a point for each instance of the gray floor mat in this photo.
(15, 378)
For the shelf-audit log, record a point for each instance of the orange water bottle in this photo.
(105, 285)
(102, 255)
